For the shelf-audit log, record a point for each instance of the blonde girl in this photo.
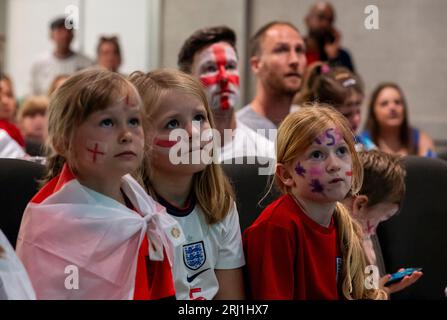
(86, 233)
(196, 193)
(305, 245)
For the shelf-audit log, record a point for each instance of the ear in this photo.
(359, 206)
(255, 64)
(284, 175)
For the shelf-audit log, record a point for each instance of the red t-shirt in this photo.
(290, 256)
(153, 279)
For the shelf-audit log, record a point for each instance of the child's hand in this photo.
(405, 282)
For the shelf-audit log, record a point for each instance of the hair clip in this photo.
(325, 68)
(349, 82)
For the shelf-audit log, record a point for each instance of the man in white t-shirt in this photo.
(61, 61)
(209, 54)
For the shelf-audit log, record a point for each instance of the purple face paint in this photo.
(330, 137)
(300, 170)
(316, 186)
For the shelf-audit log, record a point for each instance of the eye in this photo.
(299, 49)
(231, 66)
(106, 123)
(342, 151)
(281, 49)
(199, 117)
(316, 155)
(209, 68)
(172, 124)
(134, 122)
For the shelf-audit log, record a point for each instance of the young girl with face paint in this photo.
(92, 232)
(305, 245)
(380, 197)
(197, 194)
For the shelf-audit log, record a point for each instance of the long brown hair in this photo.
(373, 126)
(295, 134)
(211, 187)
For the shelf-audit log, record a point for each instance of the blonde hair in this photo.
(212, 189)
(81, 95)
(32, 106)
(295, 134)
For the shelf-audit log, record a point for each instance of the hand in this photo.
(405, 282)
(332, 49)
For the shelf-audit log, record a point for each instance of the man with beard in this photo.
(278, 61)
(209, 54)
(323, 40)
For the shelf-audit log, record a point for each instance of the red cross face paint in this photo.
(217, 68)
(96, 151)
(323, 172)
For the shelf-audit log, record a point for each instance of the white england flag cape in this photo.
(14, 281)
(9, 148)
(76, 243)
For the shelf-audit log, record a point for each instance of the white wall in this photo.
(27, 28)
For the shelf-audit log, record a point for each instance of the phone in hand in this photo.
(398, 276)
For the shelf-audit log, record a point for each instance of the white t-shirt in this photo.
(248, 143)
(207, 247)
(48, 67)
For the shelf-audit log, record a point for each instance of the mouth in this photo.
(293, 74)
(336, 180)
(225, 92)
(126, 154)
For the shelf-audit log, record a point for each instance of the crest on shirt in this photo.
(194, 255)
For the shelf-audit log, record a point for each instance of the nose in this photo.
(125, 136)
(333, 164)
(223, 76)
(294, 58)
(193, 129)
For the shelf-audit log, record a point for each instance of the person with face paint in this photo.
(194, 190)
(380, 197)
(210, 55)
(91, 217)
(305, 245)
